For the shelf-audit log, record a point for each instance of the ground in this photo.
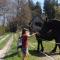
(9, 51)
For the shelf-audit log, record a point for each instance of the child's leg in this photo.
(25, 54)
(27, 51)
(25, 57)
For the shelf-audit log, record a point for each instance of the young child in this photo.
(25, 43)
(25, 34)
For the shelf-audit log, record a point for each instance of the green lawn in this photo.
(3, 36)
(4, 40)
(12, 55)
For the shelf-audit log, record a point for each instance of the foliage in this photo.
(13, 26)
(36, 9)
(57, 13)
(25, 16)
(31, 4)
(2, 30)
(49, 9)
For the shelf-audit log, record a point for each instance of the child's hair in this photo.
(24, 30)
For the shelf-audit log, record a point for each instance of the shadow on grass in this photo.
(36, 53)
(39, 54)
(12, 55)
(32, 52)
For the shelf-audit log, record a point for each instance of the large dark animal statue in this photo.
(50, 30)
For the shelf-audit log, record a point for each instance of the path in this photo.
(6, 48)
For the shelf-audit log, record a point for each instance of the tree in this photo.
(35, 8)
(38, 9)
(2, 2)
(31, 4)
(19, 9)
(58, 13)
(25, 14)
(49, 8)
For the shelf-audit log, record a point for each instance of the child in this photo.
(25, 34)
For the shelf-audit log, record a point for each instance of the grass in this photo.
(12, 55)
(2, 44)
(3, 36)
(2, 30)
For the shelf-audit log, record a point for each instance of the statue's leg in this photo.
(59, 48)
(54, 50)
(38, 46)
(56, 41)
(42, 48)
(37, 38)
(59, 43)
(39, 43)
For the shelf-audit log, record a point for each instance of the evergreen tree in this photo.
(38, 9)
(31, 4)
(49, 8)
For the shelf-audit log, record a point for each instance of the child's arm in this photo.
(31, 35)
